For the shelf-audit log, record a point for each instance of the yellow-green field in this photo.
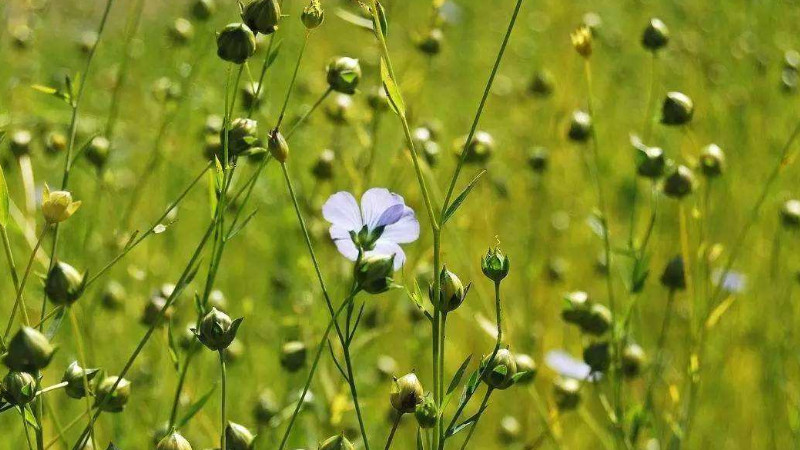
(112, 101)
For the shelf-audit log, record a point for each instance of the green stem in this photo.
(480, 414)
(173, 415)
(76, 332)
(294, 78)
(224, 377)
(19, 300)
(264, 67)
(308, 113)
(394, 429)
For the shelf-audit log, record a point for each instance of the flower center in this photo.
(365, 239)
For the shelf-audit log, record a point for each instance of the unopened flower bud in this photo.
(55, 142)
(378, 100)
(373, 273)
(495, 265)
(278, 147)
(677, 109)
(216, 330)
(542, 84)
(87, 42)
(790, 214)
(293, 356)
(499, 372)
(431, 44)
(114, 401)
(64, 284)
(181, 31)
(238, 437)
(633, 360)
(57, 206)
(312, 15)
(598, 320)
(18, 388)
(20, 143)
(266, 407)
(173, 441)
(241, 137)
(113, 296)
(21, 36)
(251, 95)
(567, 393)
(344, 74)
(478, 150)
(426, 412)
(712, 161)
(538, 159)
(597, 356)
(97, 151)
(236, 43)
(152, 311)
(510, 430)
(679, 183)
(453, 291)
(526, 367)
(656, 35)
(650, 161)
(338, 442)
(323, 168)
(582, 41)
(340, 109)
(406, 393)
(262, 16)
(28, 351)
(580, 126)
(74, 377)
(203, 9)
(674, 276)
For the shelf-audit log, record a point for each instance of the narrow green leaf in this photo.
(55, 324)
(461, 197)
(173, 348)
(383, 23)
(195, 407)
(459, 374)
(392, 91)
(354, 19)
(3, 200)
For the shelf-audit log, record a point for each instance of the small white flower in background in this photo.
(377, 227)
(567, 366)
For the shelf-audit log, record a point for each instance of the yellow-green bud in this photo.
(97, 151)
(55, 142)
(241, 137)
(582, 41)
(87, 41)
(28, 351)
(712, 161)
(278, 147)
(373, 273)
(236, 43)
(479, 149)
(217, 331)
(344, 74)
(181, 31)
(64, 284)
(117, 399)
(173, 441)
(339, 110)
(238, 437)
(203, 9)
(312, 15)
(266, 407)
(74, 376)
(510, 430)
(262, 16)
(18, 388)
(338, 442)
(499, 372)
(113, 296)
(426, 412)
(293, 356)
(633, 360)
(453, 291)
(57, 206)
(406, 393)
(495, 265)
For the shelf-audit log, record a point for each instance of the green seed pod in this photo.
(598, 321)
(633, 360)
(20, 143)
(598, 356)
(580, 126)
(97, 151)
(677, 109)
(165, 90)
(527, 366)
(340, 109)
(262, 16)
(338, 442)
(216, 330)
(542, 83)
(312, 15)
(173, 441)
(650, 162)
(18, 388)
(238, 437)
(426, 412)
(55, 143)
(87, 42)
(64, 284)
(373, 273)
(577, 307)
(152, 311)
(582, 41)
(567, 392)
(679, 183)
(656, 35)
(241, 137)
(113, 296)
(500, 374)
(181, 31)
(293, 356)
(236, 43)
(790, 214)
(203, 9)
(266, 407)
(323, 168)
(73, 376)
(452, 290)
(278, 147)
(117, 399)
(28, 351)
(712, 161)
(251, 95)
(510, 430)
(431, 153)
(406, 393)
(538, 159)
(344, 74)
(479, 150)
(674, 276)
(495, 265)
(431, 44)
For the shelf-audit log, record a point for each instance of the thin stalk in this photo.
(294, 78)
(394, 429)
(173, 415)
(648, 117)
(76, 332)
(353, 391)
(130, 32)
(223, 376)
(19, 301)
(480, 414)
(66, 428)
(54, 387)
(308, 113)
(264, 67)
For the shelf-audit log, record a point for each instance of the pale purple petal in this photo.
(344, 243)
(342, 209)
(404, 230)
(391, 215)
(565, 365)
(387, 247)
(375, 202)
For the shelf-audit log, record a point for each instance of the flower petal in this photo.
(344, 243)
(375, 202)
(342, 209)
(387, 247)
(404, 230)
(391, 215)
